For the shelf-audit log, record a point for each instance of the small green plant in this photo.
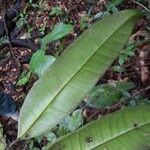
(40, 62)
(70, 123)
(56, 11)
(129, 51)
(73, 121)
(42, 29)
(24, 78)
(111, 6)
(22, 19)
(34, 5)
(4, 40)
(106, 95)
(84, 22)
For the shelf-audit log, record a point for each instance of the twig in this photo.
(134, 1)
(14, 142)
(9, 43)
(141, 91)
(7, 35)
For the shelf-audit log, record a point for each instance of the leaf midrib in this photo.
(69, 80)
(123, 133)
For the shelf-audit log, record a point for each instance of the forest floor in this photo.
(38, 18)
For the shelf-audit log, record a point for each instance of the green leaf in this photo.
(3, 40)
(74, 74)
(24, 78)
(128, 129)
(117, 2)
(128, 51)
(83, 22)
(106, 95)
(122, 59)
(118, 68)
(74, 121)
(56, 11)
(101, 15)
(60, 30)
(51, 137)
(40, 62)
(112, 5)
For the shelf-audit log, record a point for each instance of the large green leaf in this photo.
(128, 129)
(74, 74)
(60, 30)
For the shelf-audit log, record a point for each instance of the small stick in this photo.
(5, 26)
(11, 144)
(141, 5)
(7, 34)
